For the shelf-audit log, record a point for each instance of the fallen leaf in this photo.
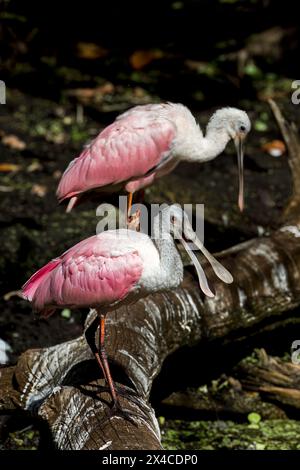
(138, 92)
(6, 189)
(6, 167)
(39, 190)
(105, 89)
(88, 94)
(275, 148)
(13, 142)
(34, 166)
(90, 51)
(205, 68)
(139, 59)
(82, 93)
(57, 174)
(59, 138)
(68, 120)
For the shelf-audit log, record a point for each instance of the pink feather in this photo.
(123, 152)
(90, 274)
(29, 288)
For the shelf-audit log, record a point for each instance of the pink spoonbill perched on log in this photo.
(147, 142)
(118, 267)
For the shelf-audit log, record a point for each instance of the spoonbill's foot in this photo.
(125, 392)
(133, 221)
(116, 409)
(121, 390)
(128, 415)
(132, 397)
(128, 394)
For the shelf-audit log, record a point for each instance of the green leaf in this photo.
(161, 420)
(254, 418)
(260, 126)
(260, 446)
(252, 70)
(66, 313)
(177, 5)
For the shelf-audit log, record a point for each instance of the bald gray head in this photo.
(236, 124)
(234, 121)
(182, 230)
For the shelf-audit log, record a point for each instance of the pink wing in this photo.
(130, 148)
(87, 275)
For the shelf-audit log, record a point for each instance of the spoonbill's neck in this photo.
(199, 148)
(214, 143)
(170, 260)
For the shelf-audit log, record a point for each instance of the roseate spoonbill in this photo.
(147, 142)
(118, 267)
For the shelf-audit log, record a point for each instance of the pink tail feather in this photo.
(29, 288)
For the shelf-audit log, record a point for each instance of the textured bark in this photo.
(59, 384)
(272, 377)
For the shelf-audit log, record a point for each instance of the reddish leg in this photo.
(100, 364)
(133, 221)
(116, 408)
(129, 205)
(90, 337)
(103, 360)
(100, 354)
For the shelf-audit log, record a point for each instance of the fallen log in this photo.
(260, 383)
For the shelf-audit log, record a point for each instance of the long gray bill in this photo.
(217, 267)
(240, 156)
(201, 274)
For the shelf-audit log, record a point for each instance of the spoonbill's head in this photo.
(237, 125)
(183, 231)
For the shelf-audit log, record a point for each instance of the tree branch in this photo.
(290, 135)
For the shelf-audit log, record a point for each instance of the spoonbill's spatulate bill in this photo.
(117, 267)
(147, 142)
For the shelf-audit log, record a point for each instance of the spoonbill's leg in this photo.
(116, 408)
(104, 361)
(133, 220)
(129, 205)
(90, 338)
(101, 358)
(90, 333)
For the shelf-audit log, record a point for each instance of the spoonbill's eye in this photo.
(242, 128)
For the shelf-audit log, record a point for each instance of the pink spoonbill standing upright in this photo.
(147, 142)
(117, 267)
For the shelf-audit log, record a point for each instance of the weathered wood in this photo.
(225, 398)
(254, 382)
(272, 377)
